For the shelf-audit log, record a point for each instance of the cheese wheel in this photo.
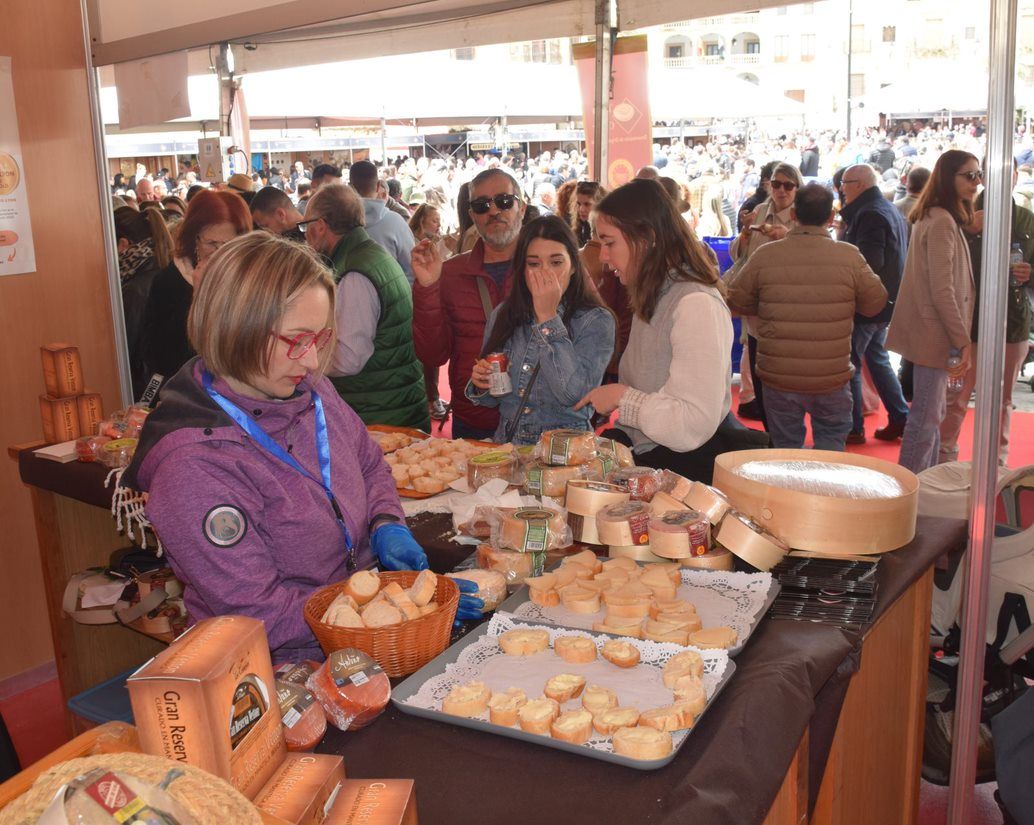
(676, 486)
(664, 502)
(679, 534)
(596, 699)
(642, 743)
(503, 707)
(537, 715)
(574, 726)
(544, 480)
(625, 524)
(470, 699)
(587, 498)
(305, 723)
(716, 559)
(642, 483)
(610, 720)
(709, 501)
(564, 687)
(513, 565)
(621, 452)
(351, 687)
(484, 467)
(567, 448)
(491, 586)
(575, 649)
(523, 642)
(713, 638)
(636, 552)
(745, 539)
(530, 530)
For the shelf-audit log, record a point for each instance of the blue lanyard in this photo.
(261, 437)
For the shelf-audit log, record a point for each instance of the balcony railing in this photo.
(746, 59)
(678, 62)
(712, 60)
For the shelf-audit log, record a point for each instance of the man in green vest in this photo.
(374, 367)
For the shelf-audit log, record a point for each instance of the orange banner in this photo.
(630, 146)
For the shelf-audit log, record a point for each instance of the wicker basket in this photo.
(399, 649)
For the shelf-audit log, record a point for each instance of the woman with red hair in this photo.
(212, 220)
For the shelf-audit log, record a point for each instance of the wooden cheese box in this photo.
(62, 370)
(60, 417)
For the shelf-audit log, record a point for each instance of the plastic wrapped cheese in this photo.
(676, 486)
(352, 689)
(566, 448)
(823, 478)
(620, 452)
(491, 585)
(515, 567)
(305, 723)
(544, 480)
(484, 467)
(642, 483)
(530, 530)
(679, 534)
(101, 797)
(624, 524)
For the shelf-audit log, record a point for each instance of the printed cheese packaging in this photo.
(60, 418)
(374, 802)
(303, 789)
(210, 700)
(62, 370)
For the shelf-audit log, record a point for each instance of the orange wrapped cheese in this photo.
(642, 483)
(305, 723)
(352, 689)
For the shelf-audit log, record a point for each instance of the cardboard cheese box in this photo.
(374, 802)
(60, 417)
(91, 412)
(303, 789)
(210, 700)
(62, 370)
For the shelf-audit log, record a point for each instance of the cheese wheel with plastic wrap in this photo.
(351, 687)
(531, 530)
(514, 566)
(679, 534)
(544, 480)
(484, 467)
(491, 585)
(567, 448)
(625, 524)
(642, 483)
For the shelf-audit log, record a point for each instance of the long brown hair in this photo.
(137, 226)
(940, 189)
(518, 308)
(663, 246)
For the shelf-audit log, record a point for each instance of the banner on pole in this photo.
(630, 145)
(17, 250)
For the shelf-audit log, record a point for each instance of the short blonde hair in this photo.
(248, 286)
(340, 207)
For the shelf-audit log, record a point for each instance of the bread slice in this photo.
(423, 589)
(574, 726)
(564, 687)
(671, 606)
(686, 663)
(546, 581)
(610, 720)
(398, 597)
(503, 707)
(468, 700)
(341, 598)
(635, 611)
(620, 563)
(524, 642)
(382, 614)
(544, 598)
(363, 585)
(427, 484)
(564, 575)
(428, 608)
(587, 559)
(344, 616)
(642, 743)
(537, 715)
(683, 621)
(713, 638)
(577, 600)
(689, 691)
(620, 653)
(660, 632)
(575, 649)
(669, 718)
(633, 631)
(596, 699)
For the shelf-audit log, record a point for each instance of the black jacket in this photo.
(166, 347)
(879, 232)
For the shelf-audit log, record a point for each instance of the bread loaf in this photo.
(491, 586)
(400, 599)
(423, 589)
(363, 585)
(382, 614)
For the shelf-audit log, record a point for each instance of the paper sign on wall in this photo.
(17, 251)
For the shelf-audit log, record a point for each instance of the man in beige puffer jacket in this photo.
(805, 290)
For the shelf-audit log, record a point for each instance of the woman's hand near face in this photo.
(604, 399)
(773, 231)
(545, 292)
(479, 374)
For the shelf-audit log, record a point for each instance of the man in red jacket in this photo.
(451, 301)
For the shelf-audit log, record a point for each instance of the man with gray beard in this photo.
(452, 301)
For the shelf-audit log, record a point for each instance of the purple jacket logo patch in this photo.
(225, 525)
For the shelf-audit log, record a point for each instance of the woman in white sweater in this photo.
(674, 378)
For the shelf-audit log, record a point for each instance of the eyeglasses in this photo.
(845, 182)
(302, 224)
(298, 346)
(789, 186)
(502, 202)
(972, 177)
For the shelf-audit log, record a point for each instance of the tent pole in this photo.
(994, 263)
(605, 14)
(384, 141)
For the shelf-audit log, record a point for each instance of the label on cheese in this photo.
(351, 665)
(294, 700)
(533, 480)
(536, 529)
(696, 526)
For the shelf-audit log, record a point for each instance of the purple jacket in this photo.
(244, 532)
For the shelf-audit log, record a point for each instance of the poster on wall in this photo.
(17, 252)
(630, 146)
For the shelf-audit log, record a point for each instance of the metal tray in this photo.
(437, 666)
(520, 597)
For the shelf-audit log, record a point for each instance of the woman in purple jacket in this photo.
(263, 484)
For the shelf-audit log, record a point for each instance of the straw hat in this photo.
(205, 797)
(241, 182)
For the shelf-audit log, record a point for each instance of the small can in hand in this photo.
(499, 377)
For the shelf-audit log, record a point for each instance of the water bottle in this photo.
(1015, 257)
(954, 381)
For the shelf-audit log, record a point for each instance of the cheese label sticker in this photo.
(639, 525)
(225, 525)
(533, 480)
(348, 664)
(559, 448)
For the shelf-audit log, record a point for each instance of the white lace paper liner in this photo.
(722, 599)
(640, 686)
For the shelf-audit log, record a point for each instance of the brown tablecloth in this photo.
(790, 675)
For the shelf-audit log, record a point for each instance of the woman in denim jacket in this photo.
(550, 321)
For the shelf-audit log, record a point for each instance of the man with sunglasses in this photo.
(878, 230)
(452, 301)
(374, 366)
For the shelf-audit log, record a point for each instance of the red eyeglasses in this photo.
(298, 346)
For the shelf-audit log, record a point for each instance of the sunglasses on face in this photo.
(972, 177)
(789, 186)
(502, 202)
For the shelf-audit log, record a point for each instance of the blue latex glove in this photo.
(470, 607)
(396, 549)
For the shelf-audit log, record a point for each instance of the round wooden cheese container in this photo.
(820, 523)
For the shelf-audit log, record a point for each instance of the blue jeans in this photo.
(830, 417)
(868, 341)
(461, 430)
(922, 438)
